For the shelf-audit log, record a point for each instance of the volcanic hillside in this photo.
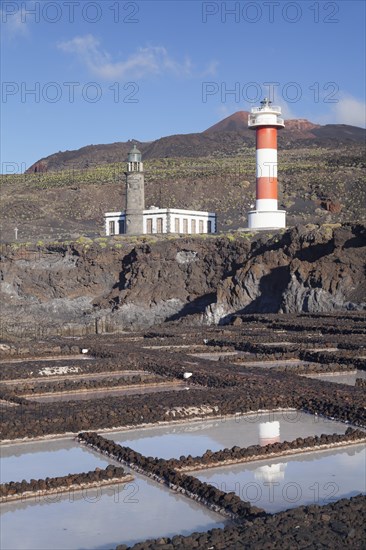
(226, 138)
(64, 196)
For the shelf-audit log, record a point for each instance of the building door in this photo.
(159, 225)
(193, 226)
(149, 225)
(185, 225)
(209, 226)
(200, 225)
(122, 228)
(176, 225)
(112, 228)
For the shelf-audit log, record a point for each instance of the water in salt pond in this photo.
(318, 477)
(102, 518)
(107, 392)
(251, 429)
(348, 378)
(41, 459)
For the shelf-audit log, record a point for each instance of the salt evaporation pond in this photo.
(348, 378)
(272, 364)
(102, 518)
(41, 359)
(107, 392)
(251, 429)
(216, 356)
(318, 477)
(41, 459)
(51, 378)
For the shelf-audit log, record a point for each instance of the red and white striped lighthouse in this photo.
(266, 119)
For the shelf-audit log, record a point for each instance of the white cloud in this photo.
(145, 61)
(350, 110)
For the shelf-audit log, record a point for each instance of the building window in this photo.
(149, 225)
(122, 228)
(159, 225)
(176, 226)
(112, 228)
(209, 226)
(200, 225)
(193, 226)
(185, 225)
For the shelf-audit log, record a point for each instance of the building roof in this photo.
(134, 151)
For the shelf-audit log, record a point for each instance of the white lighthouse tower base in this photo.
(271, 219)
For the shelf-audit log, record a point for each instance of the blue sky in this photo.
(80, 72)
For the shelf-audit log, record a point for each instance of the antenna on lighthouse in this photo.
(266, 102)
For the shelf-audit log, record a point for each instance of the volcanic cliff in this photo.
(89, 287)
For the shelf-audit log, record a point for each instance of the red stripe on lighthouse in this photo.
(266, 188)
(266, 137)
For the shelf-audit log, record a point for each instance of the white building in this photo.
(165, 220)
(136, 220)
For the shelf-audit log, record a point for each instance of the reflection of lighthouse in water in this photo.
(269, 432)
(274, 472)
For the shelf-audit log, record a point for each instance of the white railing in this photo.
(266, 109)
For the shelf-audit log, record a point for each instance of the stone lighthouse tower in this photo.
(135, 194)
(266, 120)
